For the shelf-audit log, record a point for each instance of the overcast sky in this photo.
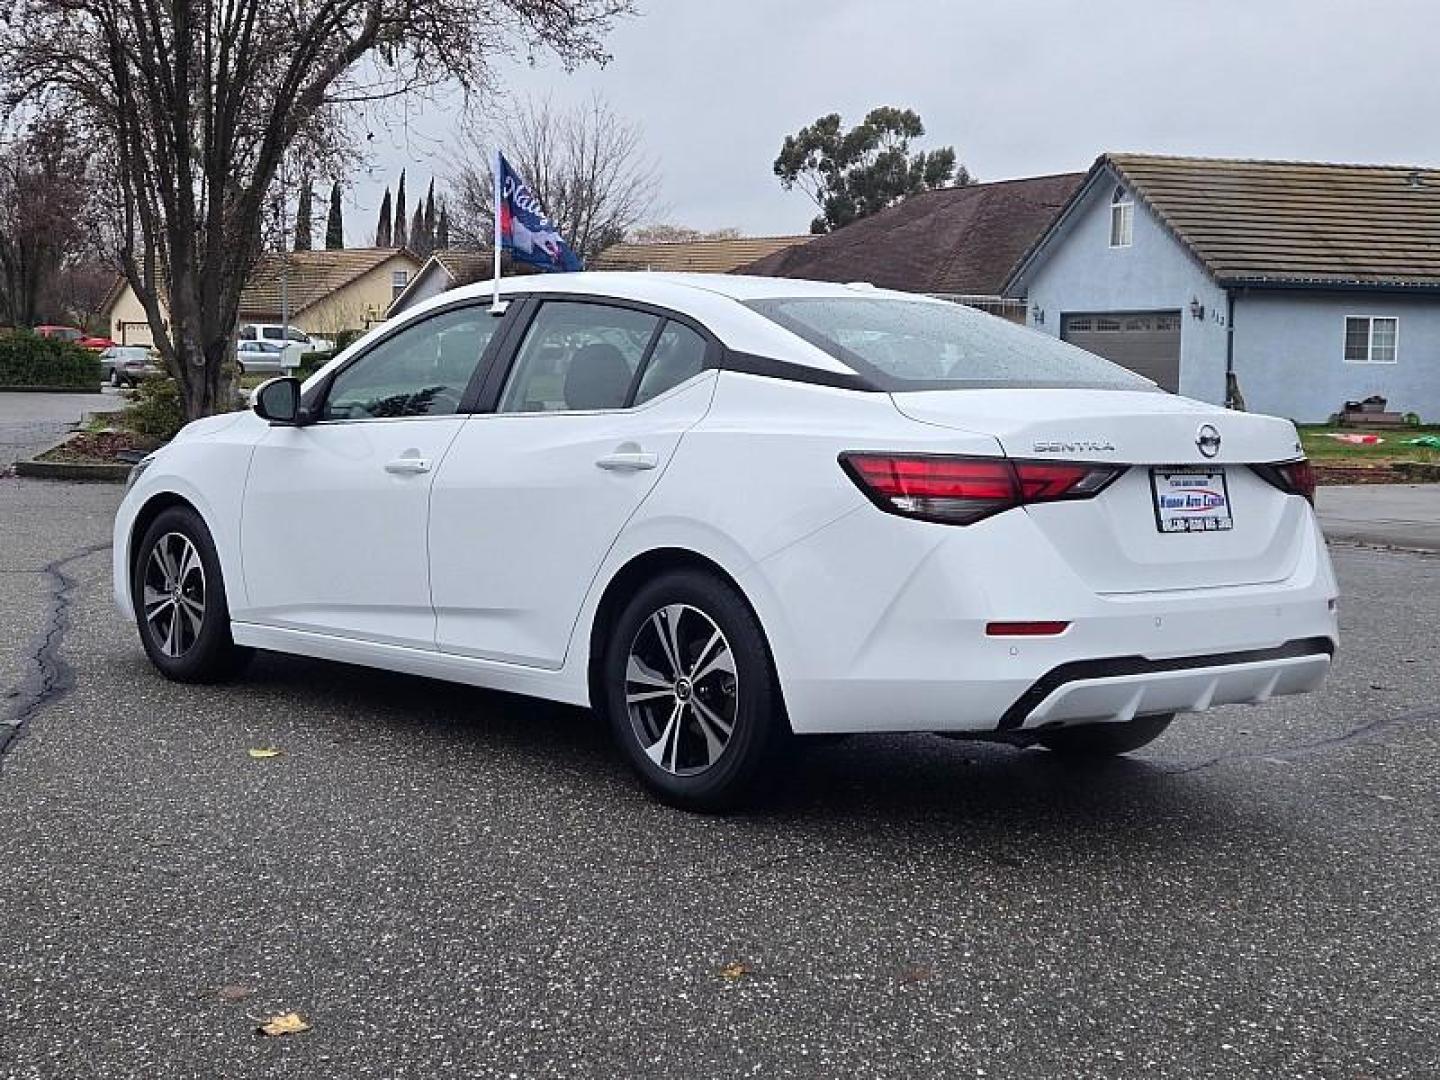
(1019, 87)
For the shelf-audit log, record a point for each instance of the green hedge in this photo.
(29, 360)
(155, 409)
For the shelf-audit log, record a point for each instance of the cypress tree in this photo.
(334, 223)
(419, 242)
(430, 214)
(400, 238)
(383, 232)
(442, 229)
(304, 211)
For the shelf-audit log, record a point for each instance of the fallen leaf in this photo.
(265, 752)
(284, 1024)
(233, 992)
(734, 971)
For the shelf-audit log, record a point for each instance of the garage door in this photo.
(1146, 342)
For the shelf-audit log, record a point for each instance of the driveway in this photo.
(452, 883)
(30, 422)
(1385, 515)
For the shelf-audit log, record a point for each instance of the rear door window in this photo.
(578, 357)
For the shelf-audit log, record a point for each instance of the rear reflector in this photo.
(1025, 629)
(1291, 477)
(961, 490)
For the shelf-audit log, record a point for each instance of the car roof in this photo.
(715, 300)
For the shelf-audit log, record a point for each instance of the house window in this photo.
(398, 280)
(1122, 218)
(1371, 340)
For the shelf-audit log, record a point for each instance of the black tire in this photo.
(674, 720)
(1104, 740)
(182, 647)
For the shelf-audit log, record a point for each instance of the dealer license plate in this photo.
(1191, 500)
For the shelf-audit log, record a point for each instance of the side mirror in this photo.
(278, 401)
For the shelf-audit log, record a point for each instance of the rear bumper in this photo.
(879, 624)
(1121, 688)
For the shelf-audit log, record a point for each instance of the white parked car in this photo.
(263, 356)
(279, 334)
(721, 510)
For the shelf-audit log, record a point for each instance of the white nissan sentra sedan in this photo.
(724, 510)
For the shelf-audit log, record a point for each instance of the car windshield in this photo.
(932, 345)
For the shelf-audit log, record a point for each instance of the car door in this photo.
(334, 517)
(535, 490)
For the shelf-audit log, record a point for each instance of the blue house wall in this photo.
(1290, 353)
(1080, 272)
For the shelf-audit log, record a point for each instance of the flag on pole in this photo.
(521, 226)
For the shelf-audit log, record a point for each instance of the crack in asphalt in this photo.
(1304, 749)
(50, 676)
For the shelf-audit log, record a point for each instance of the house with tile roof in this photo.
(321, 292)
(450, 269)
(1286, 287)
(959, 243)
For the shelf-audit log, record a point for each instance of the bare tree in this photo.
(199, 101)
(660, 232)
(43, 195)
(587, 165)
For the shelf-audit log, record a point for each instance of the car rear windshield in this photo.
(903, 345)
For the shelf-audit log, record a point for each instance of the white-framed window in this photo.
(398, 280)
(1122, 218)
(1372, 339)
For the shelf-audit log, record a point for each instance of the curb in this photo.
(52, 389)
(70, 470)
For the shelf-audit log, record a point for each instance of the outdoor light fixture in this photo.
(1197, 309)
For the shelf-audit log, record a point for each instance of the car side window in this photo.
(271, 332)
(679, 355)
(578, 357)
(422, 370)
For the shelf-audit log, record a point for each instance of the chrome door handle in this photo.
(408, 465)
(628, 461)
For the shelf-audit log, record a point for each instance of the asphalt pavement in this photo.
(451, 883)
(30, 422)
(1405, 516)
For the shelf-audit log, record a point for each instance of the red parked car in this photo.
(75, 336)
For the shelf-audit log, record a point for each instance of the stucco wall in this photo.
(127, 322)
(1081, 272)
(359, 304)
(1290, 354)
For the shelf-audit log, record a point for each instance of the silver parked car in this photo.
(252, 356)
(126, 365)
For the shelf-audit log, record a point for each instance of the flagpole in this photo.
(495, 307)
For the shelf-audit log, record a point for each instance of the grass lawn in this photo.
(1393, 448)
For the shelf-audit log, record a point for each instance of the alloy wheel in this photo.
(174, 589)
(681, 689)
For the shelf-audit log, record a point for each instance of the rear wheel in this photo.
(691, 694)
(179, 600)
(1104, 740)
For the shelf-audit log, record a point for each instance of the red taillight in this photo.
(962, 490)
(1291, 477)
(1025, 629)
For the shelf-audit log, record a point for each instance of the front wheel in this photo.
(1105, 739)
(690, 692)
(178, 595)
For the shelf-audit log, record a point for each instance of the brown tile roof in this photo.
(310, 276)
(694, 256)
(467, 267)
(954, 241)
(1285, 222)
